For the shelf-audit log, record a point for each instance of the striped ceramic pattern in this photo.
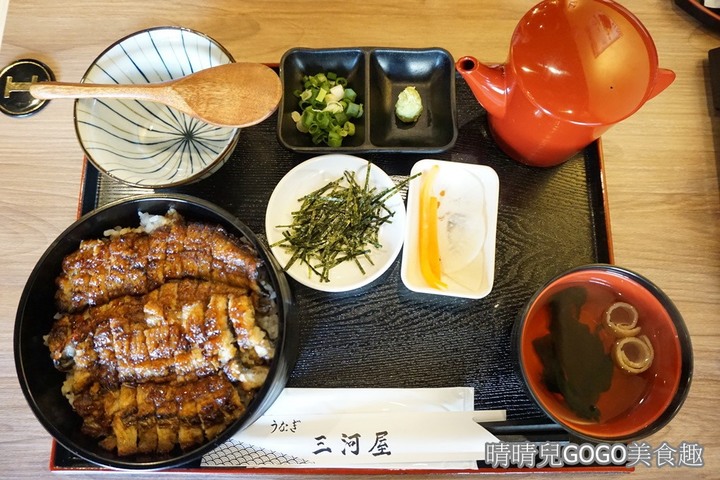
(145, 143)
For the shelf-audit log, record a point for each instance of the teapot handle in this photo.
(663, 80)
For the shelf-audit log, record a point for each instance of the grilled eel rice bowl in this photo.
(165, 332)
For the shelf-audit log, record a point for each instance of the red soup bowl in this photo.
(605, 353)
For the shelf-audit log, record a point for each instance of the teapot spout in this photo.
(487, 84)
(663, 80)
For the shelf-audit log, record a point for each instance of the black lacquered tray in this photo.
(384, 335)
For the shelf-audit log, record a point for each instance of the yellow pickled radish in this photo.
(429, 252)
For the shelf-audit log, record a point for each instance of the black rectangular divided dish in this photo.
(378, 75)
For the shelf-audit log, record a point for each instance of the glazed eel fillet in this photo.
(147, 372)
(134, 262)
(175, 362)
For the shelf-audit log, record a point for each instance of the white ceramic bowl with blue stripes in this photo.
(144, 143)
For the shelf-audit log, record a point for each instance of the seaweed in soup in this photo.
(575, 363)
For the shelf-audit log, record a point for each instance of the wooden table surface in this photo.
(661, 164)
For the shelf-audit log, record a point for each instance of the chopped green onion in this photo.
(350, 94)
(354, 110)
(341, 118)
(308, 117)
(334, 139)
(322, 119)
(338, 92)
(326, 106)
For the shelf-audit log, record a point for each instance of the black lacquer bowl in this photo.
(41, 382)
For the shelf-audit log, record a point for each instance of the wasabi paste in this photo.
(408, 107)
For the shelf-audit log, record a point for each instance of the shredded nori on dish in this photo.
(338, 222)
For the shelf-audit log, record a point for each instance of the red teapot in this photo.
(575, 68)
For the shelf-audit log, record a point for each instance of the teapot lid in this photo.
(589, 61)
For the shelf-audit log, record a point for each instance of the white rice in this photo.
(148, 224)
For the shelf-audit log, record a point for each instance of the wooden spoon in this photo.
(230, 95)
